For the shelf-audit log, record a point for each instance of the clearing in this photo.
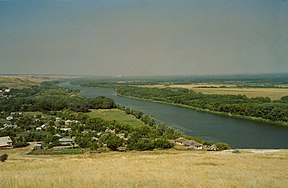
(115, 114)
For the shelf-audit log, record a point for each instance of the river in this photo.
(238, 133)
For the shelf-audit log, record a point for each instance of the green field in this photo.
(115, 114)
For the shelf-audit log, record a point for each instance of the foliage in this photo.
(260, 107)
(3, 157)
(114, 142)
(222, 146)
(49, 97)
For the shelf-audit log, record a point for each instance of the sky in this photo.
(143, 37)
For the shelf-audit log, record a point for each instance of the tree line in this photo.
(49, 97)
(260, 107)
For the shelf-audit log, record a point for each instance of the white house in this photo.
(7, 90)
(9, 118)
(6, 142)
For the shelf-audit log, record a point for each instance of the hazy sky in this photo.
(143, 37)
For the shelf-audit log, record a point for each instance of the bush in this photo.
(114, 142)
(222, 146)
(163, 144)
(3, 157)
(144, 144)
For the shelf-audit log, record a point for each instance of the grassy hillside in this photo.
(20, 81)
(168, 168)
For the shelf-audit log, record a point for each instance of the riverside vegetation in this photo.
(238, 105)
(170, 91)
(50, 114)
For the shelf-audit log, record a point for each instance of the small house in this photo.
(65, 129)
(38, 146)
(38, 129)
(6, 142)
(68, 122)
(189, 144)
(9, 118)
(66, 141)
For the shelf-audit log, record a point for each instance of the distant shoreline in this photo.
(255, 119)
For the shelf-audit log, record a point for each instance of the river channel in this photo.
(238, 133)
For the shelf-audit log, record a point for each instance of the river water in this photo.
(238, 133)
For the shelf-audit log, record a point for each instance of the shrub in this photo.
(114, 142)
(222, 146)
(163, 143)
(3, 157)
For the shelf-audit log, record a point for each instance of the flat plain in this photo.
(272, 93)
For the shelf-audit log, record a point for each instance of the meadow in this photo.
(115, 114)
(161, 168)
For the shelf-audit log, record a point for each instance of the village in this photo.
(50, 132)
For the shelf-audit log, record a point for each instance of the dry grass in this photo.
(21, 81)
(147, 169)
(273, 93)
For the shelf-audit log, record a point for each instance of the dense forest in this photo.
(239, 105)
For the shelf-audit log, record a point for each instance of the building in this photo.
(9, 118)
(6, 142)
(38, 146)
(66, 141)
(189, 144)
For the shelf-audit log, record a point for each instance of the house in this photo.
(43, 126)
(189, 144)
(94, 138)
(6, 142)
(38, 146)
(65, 129)
(38, 129)
(68, 122)
(7, 90)
(66, 141)
(9, 118)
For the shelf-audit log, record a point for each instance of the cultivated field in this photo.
(273, 93)
(168, 168)
(115, 114)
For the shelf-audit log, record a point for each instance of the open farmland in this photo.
(169, 168)
(273, 93)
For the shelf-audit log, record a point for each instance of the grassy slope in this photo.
(20, 81)
(168, 168)
(115, 114)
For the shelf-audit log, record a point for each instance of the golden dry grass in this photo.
(147, 169)
(273, 93)
(21, 81)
